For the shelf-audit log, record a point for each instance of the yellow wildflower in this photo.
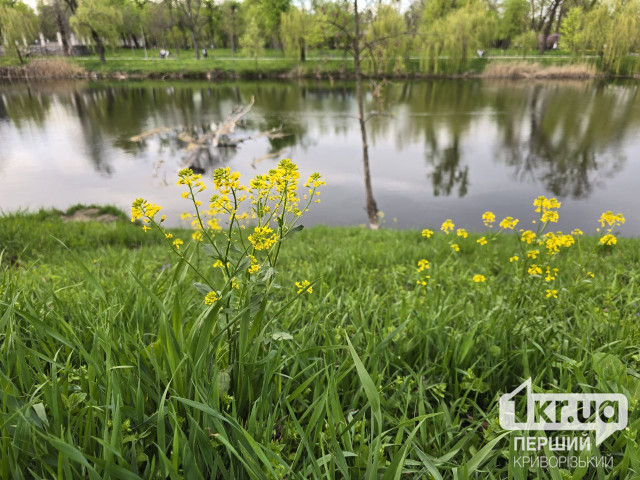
(218, 264)
(211, 298)
(552, 293)
(461, 232)
(482, 241)
(515, 258)
(479, 278)
(533, 253)
(509, 223)
(551, 274)
(304, 286)
(427, 233)
(488, 218)
(423, 265)
(177, 242)
(254, 267)
(550, 216)
(608, 239)
(611, 219)
(528, 236)
(423, 280)
(535, 270)
(145, 228)
(447, 226)
(262, 238)
(577, 232)
(455, 247)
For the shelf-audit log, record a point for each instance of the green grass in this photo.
(371, 376)
(223, 64)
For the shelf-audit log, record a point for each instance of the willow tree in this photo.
(456, 36)
(298, 31)
(99, 19)
(572, 30)
(613, 30)
(17, 25)
(386, 42)
(252, 41)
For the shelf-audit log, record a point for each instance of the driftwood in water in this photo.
(219, 136)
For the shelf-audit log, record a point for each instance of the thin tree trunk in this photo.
(19, 55)
(63, 30)
(303, 50)
(176, 47)
(194, 37)
(233, 29)
(372, 208)
(99, 45)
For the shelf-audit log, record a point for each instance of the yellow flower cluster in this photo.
(488, 218)
(268, 199)
(447, 226)
(211, 298)
(551, 274)
(544, 245)
(534, 270)
(509, 223)
(145, 211)
(528, 236)
(192, 181)
(611, 220)
(608, 239)
(553, 242)
(423, 265)
(304, 286)
(263, 238)
(547, 207)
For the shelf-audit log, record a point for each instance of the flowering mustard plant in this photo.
(538, 249)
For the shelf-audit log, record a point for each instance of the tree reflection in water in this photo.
(568, 137)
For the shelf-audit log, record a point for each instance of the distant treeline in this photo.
(388, 35)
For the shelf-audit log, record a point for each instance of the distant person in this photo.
(480, 53)
(205, 54)
(162, 53)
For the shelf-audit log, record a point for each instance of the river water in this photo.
(440, 149)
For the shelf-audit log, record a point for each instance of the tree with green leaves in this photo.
(298, 31)
(100, 19)
(270, 13)
(513, 21)
(386, 41)
(456, 36)
(192, 12)
(252, 40)
(572, 28)
(613, 30)
(17, 25)
(231, 22)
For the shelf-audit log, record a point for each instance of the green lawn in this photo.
(99, 377)
(223, 64)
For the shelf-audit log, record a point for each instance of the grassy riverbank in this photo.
(96, 356)
(223, 64)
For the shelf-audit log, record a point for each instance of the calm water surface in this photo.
(447, 149)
